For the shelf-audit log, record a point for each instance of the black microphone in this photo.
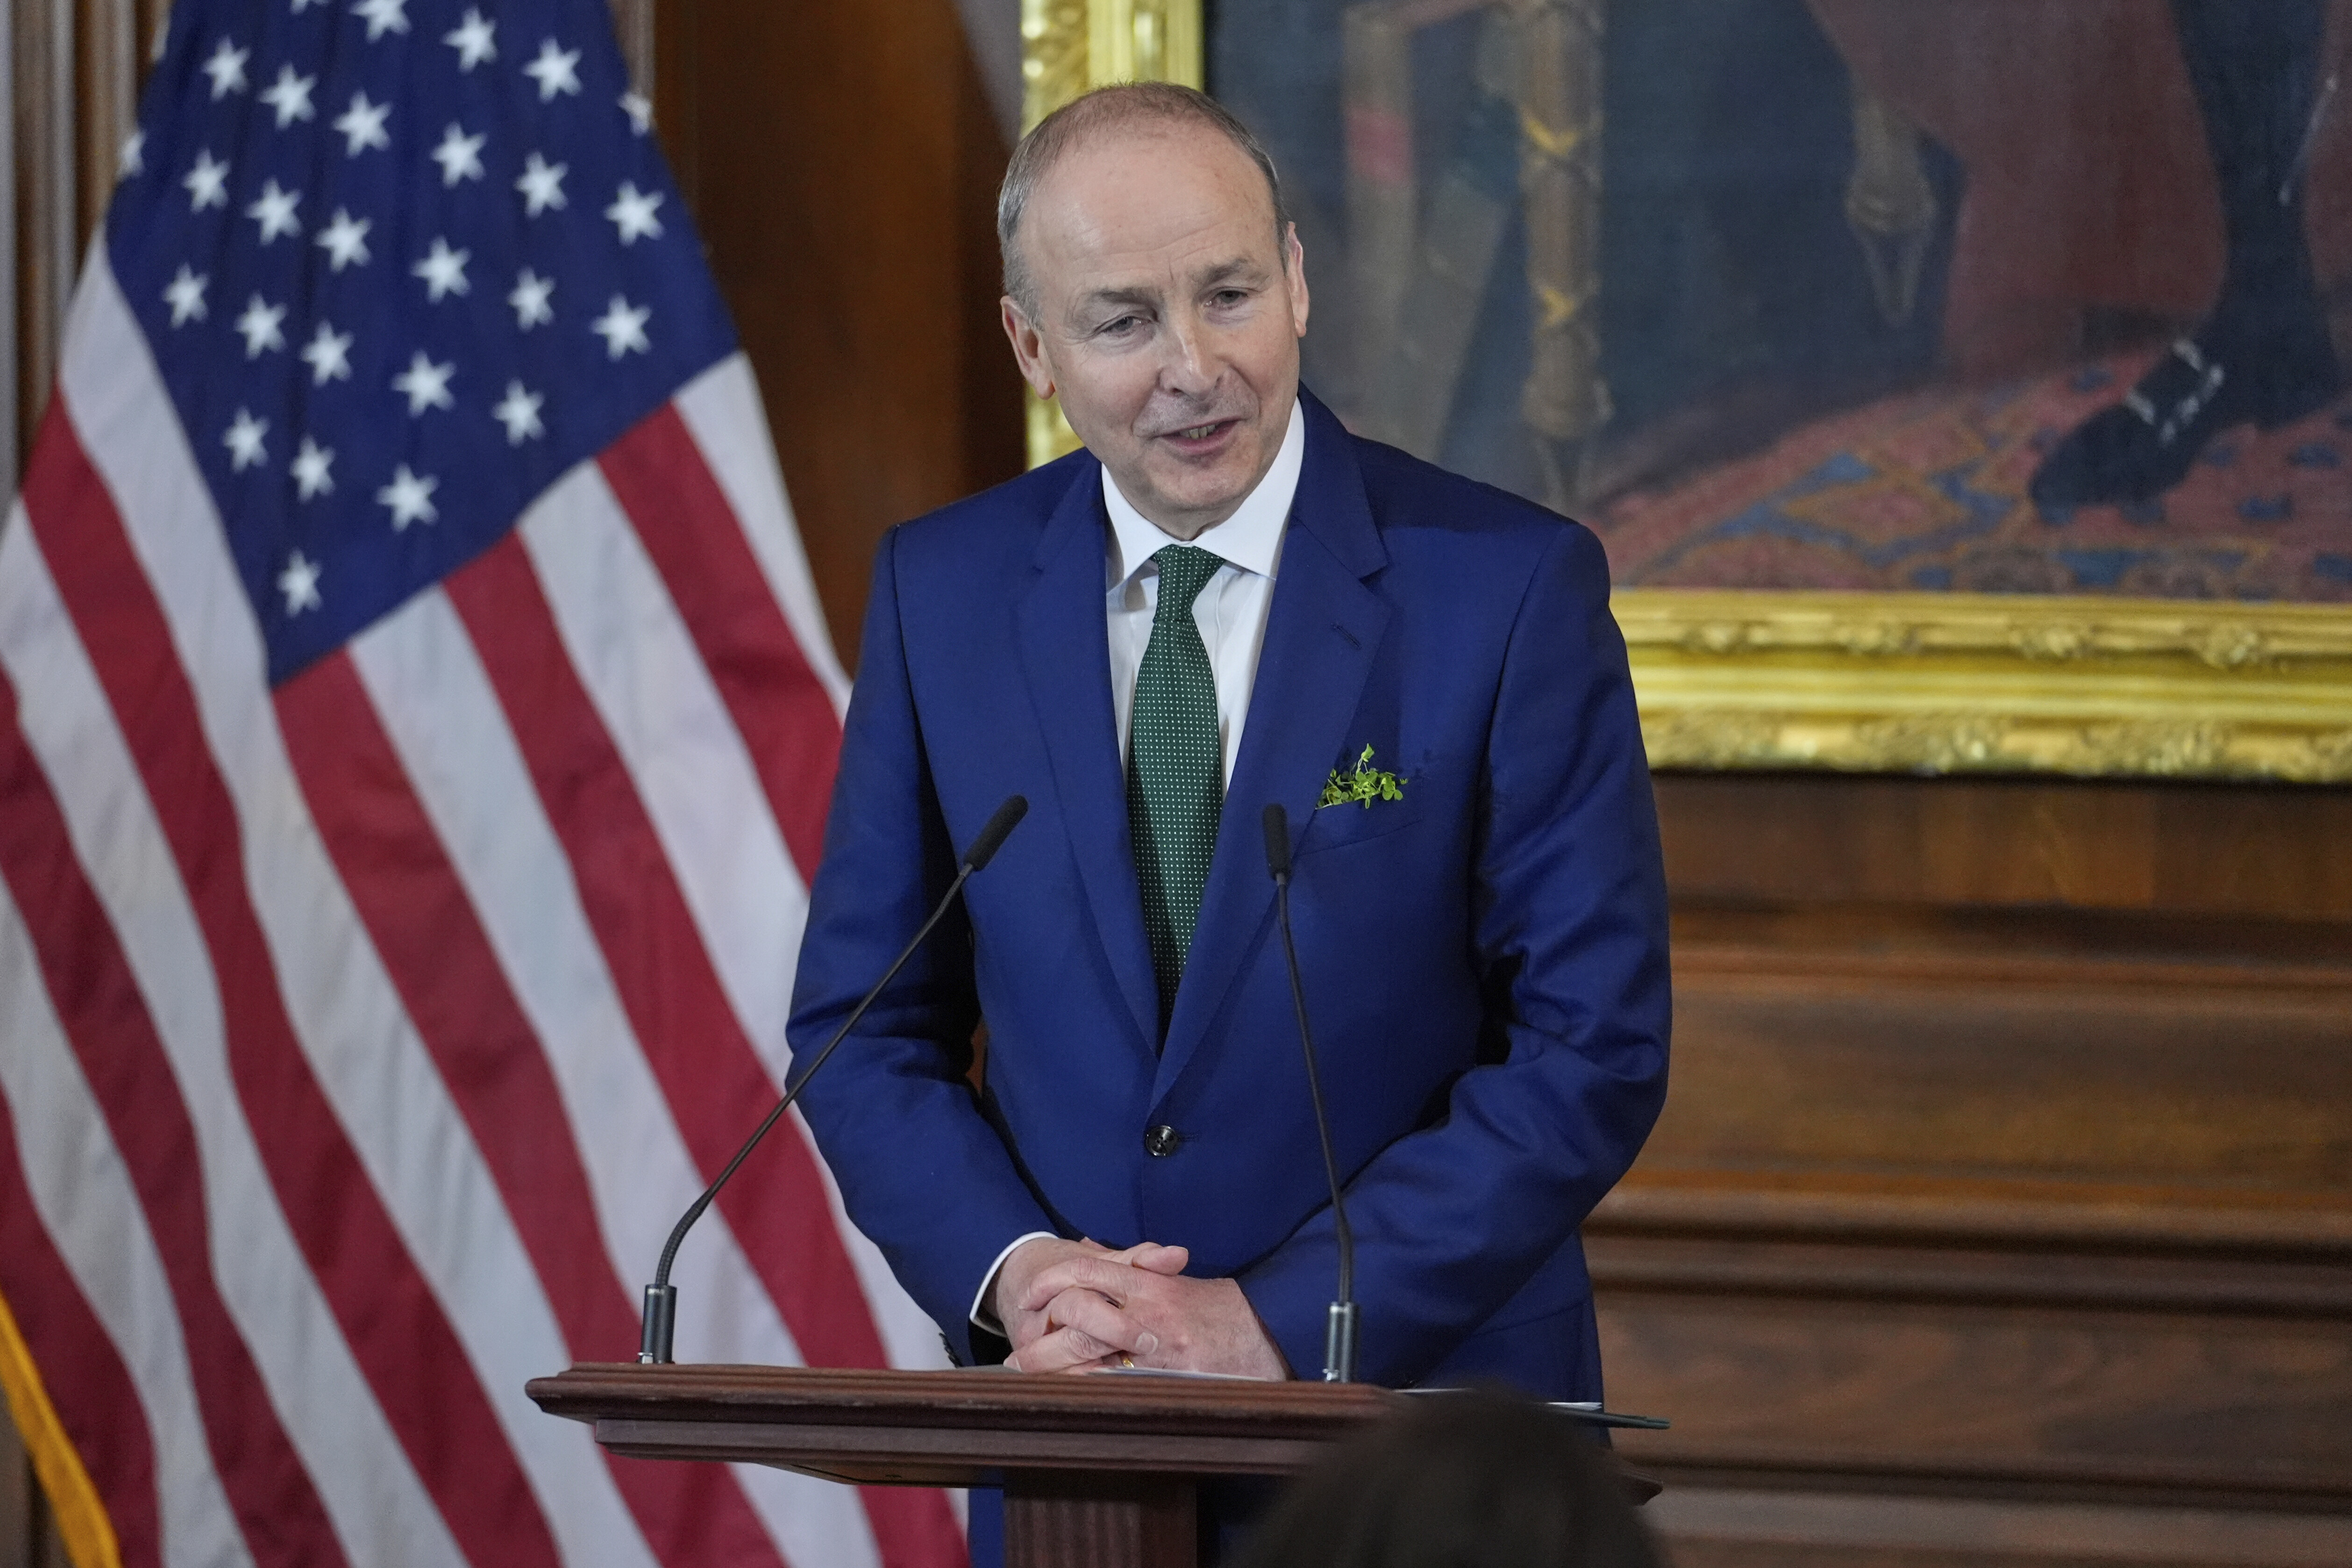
(661, 1295)
(1340, 1335)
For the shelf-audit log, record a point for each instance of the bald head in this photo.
(1152, 286)
(1129, 109)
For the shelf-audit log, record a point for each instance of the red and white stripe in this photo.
(364, 1037)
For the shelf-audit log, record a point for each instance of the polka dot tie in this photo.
(1175, 773)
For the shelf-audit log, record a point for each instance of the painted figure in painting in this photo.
(1883, 294)
(2262, 355)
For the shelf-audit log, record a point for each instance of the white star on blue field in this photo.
(403, 263)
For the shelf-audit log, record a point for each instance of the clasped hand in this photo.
(1076, 1306)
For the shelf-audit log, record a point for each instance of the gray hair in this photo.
(1110, 109)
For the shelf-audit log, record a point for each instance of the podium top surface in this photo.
(594, 1391)
(955, 1427)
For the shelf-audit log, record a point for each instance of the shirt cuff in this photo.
(982, 1316)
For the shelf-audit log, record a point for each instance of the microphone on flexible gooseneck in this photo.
(661, 1295)
(1340, 1335)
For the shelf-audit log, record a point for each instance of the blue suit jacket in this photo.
(1485, 960)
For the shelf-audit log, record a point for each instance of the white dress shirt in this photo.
(1230, 613)
(1230, 610)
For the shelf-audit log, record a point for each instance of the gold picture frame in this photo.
(1911, 682)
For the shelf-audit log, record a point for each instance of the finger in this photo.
(1028, 1323)
(1040, 1315)
(1110, 1280)
(1106, 1325)
(1019, 1268)
(1031, 1322)
(1053, 1352)
(1025, 1329)
(1150, 1254)
(1065, 1350)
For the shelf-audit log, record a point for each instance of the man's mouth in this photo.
(1203, 434)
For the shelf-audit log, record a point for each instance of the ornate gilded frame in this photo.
(1879, 682)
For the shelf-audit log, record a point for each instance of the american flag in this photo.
(416, 729)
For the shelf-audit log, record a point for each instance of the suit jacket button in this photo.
(1161, 1142)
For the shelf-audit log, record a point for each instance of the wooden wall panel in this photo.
(2264, 852)
(73, 68)
(842, 163)
(2002, 1209)
(2115, 1072)
(76, 67)
(43, 195)
(1736, 1528)
(2245, 1408)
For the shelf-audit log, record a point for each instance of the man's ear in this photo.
(1028, 347)
(1294, 266)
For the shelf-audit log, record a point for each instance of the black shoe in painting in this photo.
(2144, 445)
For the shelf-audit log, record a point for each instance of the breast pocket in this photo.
(1426, 789)
(1336, 826)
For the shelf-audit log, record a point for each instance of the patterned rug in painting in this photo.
(1928, 490)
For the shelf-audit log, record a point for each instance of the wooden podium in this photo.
(1098, 1472)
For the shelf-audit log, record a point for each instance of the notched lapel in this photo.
(1321, 635)
(1066, 655)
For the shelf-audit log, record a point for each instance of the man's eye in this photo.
(1119, 326)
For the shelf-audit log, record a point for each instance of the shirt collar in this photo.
(1251, 539)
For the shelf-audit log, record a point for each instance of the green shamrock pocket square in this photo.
(1362, 783)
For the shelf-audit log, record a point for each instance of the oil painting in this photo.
(1952, 384)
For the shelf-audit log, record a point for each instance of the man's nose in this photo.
(1188, 364)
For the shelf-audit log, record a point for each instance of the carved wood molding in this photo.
(1955, 683)
(1964, 1212)
(1070, 47)
(2037, 630)
(1972, 1275)
(2132, 1482)
(1722, 1527)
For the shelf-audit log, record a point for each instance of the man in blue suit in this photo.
(1228, 601)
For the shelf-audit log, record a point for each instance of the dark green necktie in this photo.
(1176, 773)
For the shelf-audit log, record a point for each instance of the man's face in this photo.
(1167, 316)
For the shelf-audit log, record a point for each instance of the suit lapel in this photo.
(1066, 654)
(1321, 633)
